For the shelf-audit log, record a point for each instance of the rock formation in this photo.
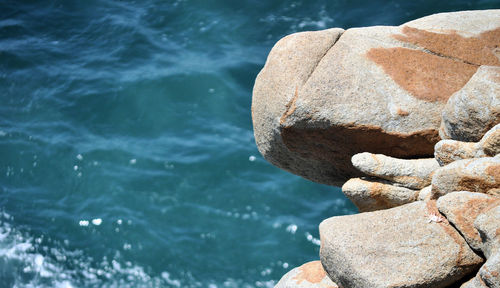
(412, 115)
(327, 95)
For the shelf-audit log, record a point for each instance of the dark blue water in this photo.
(127, 156)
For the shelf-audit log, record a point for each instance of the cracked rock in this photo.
(462, 208)
(325, 96)
(408, 246)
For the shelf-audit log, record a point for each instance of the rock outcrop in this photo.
(412, 115)
(324, 96)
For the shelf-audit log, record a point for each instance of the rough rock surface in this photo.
(475, 282)
(490, 271)
(325, 96)
(488, 275)
(288, 66)
(447, 151)
(414, 174)
(462, 208)
(309, 275)
(488, 225)
(474, 175)
(377, 195)
(406, 246)
(490, 143)
(474, 109)
(425, 193)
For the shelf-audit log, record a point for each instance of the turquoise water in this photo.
(127, 156)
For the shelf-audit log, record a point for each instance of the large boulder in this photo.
(309, 275)
(407, 246)
(324, 96)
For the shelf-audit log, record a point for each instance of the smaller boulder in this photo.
(377, 195)
(447, 151)
(473, 110)
(413, 174)
(488, 225)
(462, 208)
(309, 275)
(490, 271)
(491, 141)
(480, 175)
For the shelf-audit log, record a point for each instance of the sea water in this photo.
(127, 156)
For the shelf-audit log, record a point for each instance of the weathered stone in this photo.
(488, 225)
(490, 271)
(425, 193)
(475, 175)
(475, 109)
(475, 282)
(490, 143)
(288, 66)
(462, 208)
(414, 174)
(377, 195)
(309, 275)
(322, 98)
(488, 275)
(447, 151)
(407, 246)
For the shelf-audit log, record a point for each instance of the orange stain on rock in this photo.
(311, 272)
(444, 67)
(478, 50)
(494, 171)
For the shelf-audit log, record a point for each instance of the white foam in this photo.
(292, 228)
(97, 221)
(83, 223)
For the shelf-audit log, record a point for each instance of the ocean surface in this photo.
(127, 156)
